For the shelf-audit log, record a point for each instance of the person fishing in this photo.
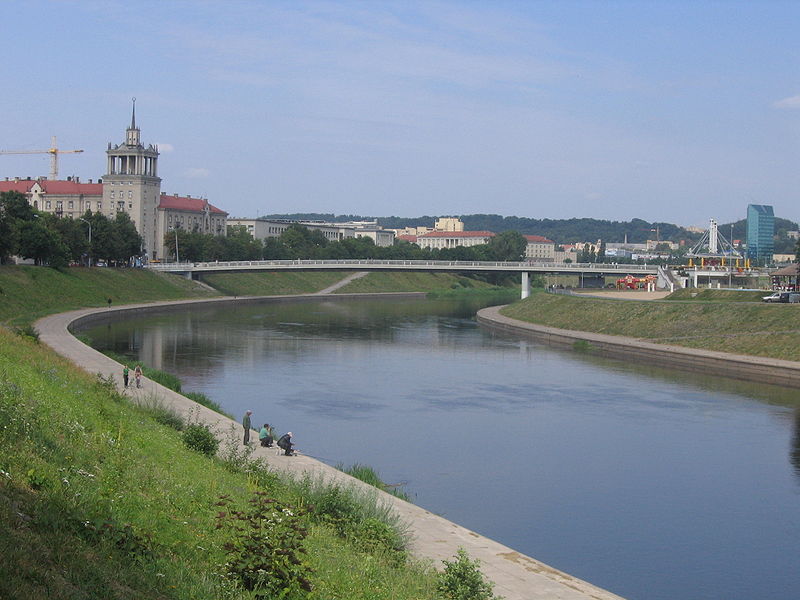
(285, 443)
(265, 436)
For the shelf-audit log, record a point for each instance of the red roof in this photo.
(408, 238)
(56, 186)
(457, 234)
(538, 238)
(186, 203)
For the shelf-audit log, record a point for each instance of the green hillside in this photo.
(99, 500)
(755, 328)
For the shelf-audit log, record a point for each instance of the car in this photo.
(790, 297)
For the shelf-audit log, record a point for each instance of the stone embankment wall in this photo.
(737, 366)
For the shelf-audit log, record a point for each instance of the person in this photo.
(137, 374)
(246, 425)
(125, 372)
(285, 442)
(265, 435)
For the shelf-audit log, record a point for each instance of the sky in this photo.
(668, 111)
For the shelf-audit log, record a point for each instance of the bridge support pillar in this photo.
(526, 285)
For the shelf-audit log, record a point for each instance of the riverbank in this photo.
(721, 323)
(736, 366)
(516, 576)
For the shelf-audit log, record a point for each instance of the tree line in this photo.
(299, 242)
(56, 242)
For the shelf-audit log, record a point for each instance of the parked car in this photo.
(785, 297)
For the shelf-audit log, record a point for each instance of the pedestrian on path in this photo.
(125, 372)
(137, 374)
(246, 425)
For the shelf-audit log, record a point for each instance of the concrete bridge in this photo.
(193, 270)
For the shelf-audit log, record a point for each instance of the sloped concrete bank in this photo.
(516, 576)
(737, 366)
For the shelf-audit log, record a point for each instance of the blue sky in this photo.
(664, 111)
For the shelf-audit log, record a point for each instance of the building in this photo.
(448, 224)
(453, 239)
(131, 185)
(187, 213)
(262, 229)
(540, 249)
(69, 198)
(760, 232)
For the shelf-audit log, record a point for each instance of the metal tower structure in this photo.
(713, 245)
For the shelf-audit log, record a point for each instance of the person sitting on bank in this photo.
(285, 442)
(265, 435)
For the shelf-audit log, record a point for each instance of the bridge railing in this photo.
(355, 263)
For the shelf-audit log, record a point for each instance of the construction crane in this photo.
(53, 151)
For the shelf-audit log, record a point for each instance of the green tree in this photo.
(42, 244)
(507, 246)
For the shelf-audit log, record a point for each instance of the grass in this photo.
(723, 323)
(409, 281)
(98, 500)
(28, 293)
(368, 475)
(273, 283)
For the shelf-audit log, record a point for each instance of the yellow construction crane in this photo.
(53, 151)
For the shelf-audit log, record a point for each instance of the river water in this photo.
(650, 483)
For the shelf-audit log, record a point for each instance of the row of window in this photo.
(122, 194)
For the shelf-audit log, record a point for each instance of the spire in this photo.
(132, 133)
(133, 115)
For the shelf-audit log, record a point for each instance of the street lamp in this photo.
(90, 238)
(175, 229)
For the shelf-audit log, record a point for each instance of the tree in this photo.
(507, 246)
(42, 244)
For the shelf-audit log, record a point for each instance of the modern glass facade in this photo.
(760, 232)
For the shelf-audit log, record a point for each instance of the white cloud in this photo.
(792, 102)
(165, 147)
(196, 173)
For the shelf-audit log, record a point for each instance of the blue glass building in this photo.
(760, 233)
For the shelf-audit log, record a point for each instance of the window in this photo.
(112, 195)
(130, 194)
(71, 204)
(47, 204)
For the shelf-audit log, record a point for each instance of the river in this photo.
(651, 483)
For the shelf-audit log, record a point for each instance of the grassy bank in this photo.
(27, 292)
(272, 284)
(721, 324)
(410, 282)
(99, 501)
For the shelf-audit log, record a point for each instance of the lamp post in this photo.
(90, 238)
(175, 229)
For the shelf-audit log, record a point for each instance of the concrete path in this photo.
(340, 284)
(516, 576)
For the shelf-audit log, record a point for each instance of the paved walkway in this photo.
(516, 576)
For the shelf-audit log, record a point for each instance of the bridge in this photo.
(191, 270)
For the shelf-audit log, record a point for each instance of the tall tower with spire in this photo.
(132, 185)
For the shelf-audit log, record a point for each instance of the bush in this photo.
(265, 553)
(199, 437)
(463, 580)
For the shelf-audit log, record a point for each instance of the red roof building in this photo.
(190, 214)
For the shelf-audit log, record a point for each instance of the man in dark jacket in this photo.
(285, 442)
